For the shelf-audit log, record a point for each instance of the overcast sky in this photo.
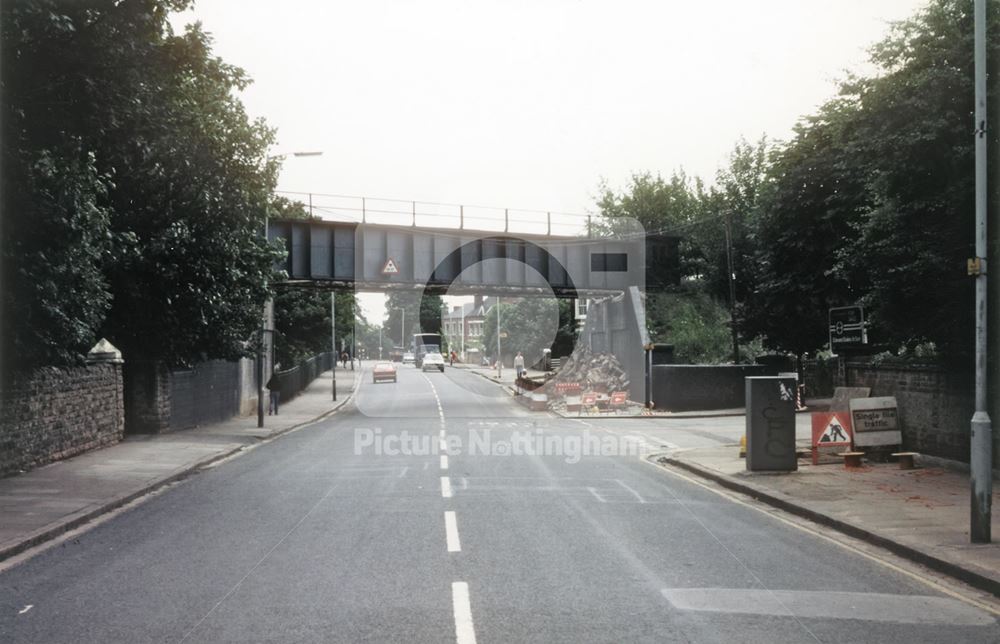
(529, 104)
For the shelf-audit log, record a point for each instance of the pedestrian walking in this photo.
(275, 394)
(519, 364)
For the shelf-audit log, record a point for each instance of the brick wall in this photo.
(159, 400)
(935, 405)
(147, 397)
(819, 377)
(52, 414)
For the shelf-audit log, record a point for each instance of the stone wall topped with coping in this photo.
(935, 404)
(52, 414)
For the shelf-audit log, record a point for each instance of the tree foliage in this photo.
(530, 325)
(302, 323)
(870, 202)
(423, 315)
(128, 142)
(814, 202)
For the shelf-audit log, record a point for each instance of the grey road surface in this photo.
(366, 528)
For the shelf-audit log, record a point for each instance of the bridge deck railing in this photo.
(396, 212)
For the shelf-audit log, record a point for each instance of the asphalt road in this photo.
(365, 528)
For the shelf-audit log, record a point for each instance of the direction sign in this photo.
(847, 328)
(390, 267)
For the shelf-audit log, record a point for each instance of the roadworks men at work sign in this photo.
(831, 434)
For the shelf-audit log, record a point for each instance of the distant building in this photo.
(463, 326)
(580, 311)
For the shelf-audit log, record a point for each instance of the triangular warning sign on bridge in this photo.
(390, 267)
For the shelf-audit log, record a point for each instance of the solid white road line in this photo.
(446, 487)
(465, 632)
(444, 461)
(451, 532)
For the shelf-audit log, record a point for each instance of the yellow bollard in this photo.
(743, 446)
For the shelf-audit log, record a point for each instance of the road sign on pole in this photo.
(847, 328)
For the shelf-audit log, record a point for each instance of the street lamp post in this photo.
(402, 330)
(981, 440)
(333, 340)
(262, 349)
(312, 153)
(499, 356)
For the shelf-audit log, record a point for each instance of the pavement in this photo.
(634, 410)
(437, 509)
(506, 378)
(45, 502)
(921, 514)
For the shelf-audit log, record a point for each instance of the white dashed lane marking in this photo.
(451, 532)
(465, 631)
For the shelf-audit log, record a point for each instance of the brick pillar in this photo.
(147, 397)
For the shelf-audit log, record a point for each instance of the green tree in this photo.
(302, 323)
(683, 206)
(163, 169)
(811, 208)
(733, 201)
(872, 201)
(694, 322)
(423, 315)
(56, 241)
(916, 124)
(531, 325)
(661, 206)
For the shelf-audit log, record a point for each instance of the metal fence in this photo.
(292, 381)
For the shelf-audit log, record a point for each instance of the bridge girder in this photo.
(352, 256)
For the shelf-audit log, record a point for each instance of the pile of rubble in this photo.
(599, 372)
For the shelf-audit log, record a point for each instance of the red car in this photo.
(384, 372)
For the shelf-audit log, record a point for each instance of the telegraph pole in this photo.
(499, 357)
(981, 458)
(333, 340)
